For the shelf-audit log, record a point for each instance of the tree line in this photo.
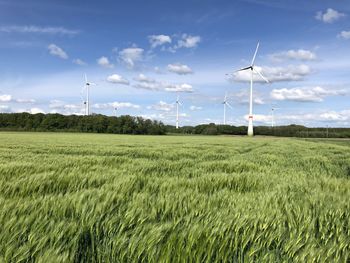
(137, 125)
(283, 131)
(73, 123)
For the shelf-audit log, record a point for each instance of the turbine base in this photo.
(250, 126)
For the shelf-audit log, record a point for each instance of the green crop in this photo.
(118, 198)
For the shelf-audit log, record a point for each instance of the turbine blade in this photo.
(244, 69)
(229, 105)
(85, 78)
(179, 103)
(256, 51)
(258, 72)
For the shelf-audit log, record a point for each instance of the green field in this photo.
(113, 198)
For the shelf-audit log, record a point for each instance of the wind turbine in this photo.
(226, 104)
(273, 116)
(252, 70)
(177, 111)
(87, 101)
(115, 111)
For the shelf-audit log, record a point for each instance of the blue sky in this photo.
(142, 54)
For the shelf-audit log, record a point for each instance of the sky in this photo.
(143, 54)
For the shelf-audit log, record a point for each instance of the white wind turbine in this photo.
(226, 104)
(177, 111)
(252, 70)
(273, 116)
(115, 111)
(87, 101)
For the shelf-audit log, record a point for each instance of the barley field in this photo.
(113, 198)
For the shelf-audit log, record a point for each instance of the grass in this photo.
(112, 198)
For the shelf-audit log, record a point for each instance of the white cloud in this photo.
(336, 117)
(259, 101)
(104, 62)
(194, 108)
(158, 40)
(274, 74)
(150, 84)
(143, 78)
(156, 86)
(9, 98)
(117, 79)
(344, 34)
(37, 29)
(5, 98)
(36, 110)
(167, 116)
(58, 104)
(25, 101)
(130, 56)
(61, 107)
(5, 109)
(157, 70)
(162, 106)
(79, 62)
(57, 51)
(343, 115)
(259, 118)
(72, 107)
(188, 41)
(242, 97)
(178, 87)
(329, 16)
(299, 54)
(118, 105)
(54, 104)
(180, 69)
(304, 94)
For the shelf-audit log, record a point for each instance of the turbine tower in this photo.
(226, 104)
(87, 101)
(177, 111)
(252, 71)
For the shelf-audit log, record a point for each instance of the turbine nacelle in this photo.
(178, 101)
(252, 67)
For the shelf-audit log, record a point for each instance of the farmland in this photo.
(120, 198)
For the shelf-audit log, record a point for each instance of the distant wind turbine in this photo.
(273, 116)
(252, 70)
(87, 101)
(226, 104)
(177, 111)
